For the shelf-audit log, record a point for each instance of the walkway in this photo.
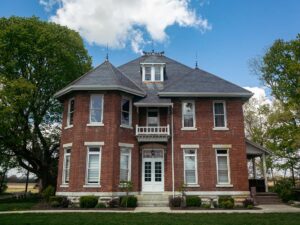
(263, 209)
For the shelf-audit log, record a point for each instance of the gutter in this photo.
(173, 172)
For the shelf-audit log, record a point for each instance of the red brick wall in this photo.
(111, 134)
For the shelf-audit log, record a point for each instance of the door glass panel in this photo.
(158, 171)
(147, 171)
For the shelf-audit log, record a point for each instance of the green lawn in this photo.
(149, 218)
(17, 204)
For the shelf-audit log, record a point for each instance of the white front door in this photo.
(153, 170)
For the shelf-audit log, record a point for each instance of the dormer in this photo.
(153, 72)
(153, 67)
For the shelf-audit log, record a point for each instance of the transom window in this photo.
(126, 111)
(71, 109)
(188, 114)
(190, 166)
(66, 166)
(125, 164)
(222, 166)
(220, 114)
(153, 72)
(93, 165)
(96, 109)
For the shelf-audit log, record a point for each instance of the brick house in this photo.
(157, 123)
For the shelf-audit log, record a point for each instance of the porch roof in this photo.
(254, 149)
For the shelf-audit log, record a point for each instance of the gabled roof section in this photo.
(199, 83)
(103, 77)
(256, 149)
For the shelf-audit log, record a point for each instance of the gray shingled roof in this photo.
(203, 84)
(103, 77)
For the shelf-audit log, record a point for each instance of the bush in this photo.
(175, 202)
(3, 188)
(63, 201)
(193, 201)
(226, 202)
(88, 201)
(114, 203)
(248, 202)
(128, 201)
(284, 188)
(48, 192)
(206, 206)
(101, 205)
(250, 207)
(55, 204)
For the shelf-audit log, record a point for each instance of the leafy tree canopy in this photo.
(37, 59)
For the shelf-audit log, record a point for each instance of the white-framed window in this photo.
(126, 111)
(153, 72)
(223, 168)
(71, 110)
(93, 165)
(188, 114)
(153, 117)
(125, 164)
(220, 120)
(66, 166)
(190, 166)
(96, 109)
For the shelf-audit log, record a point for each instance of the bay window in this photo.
(71, 109)
(93, 165)
(126, 107)
(96, 109)
(66, 166)
(125, 164)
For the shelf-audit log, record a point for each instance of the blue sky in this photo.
(240, 30)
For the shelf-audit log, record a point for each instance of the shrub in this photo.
(284, 188)
(206, 206)
(48, 192)
(193, 201)
(55, 198)
(101, 205)
(88, 201)
(55, 204)
(128, 201)
(114, 203)
(175, 202)
(248, 202)
(63, 201)
(250, 207)
(226, 202)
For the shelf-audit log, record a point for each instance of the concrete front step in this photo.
(268, 198)
(153, 200)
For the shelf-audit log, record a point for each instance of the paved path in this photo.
(263, 209)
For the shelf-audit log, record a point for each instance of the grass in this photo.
(13, 204)
(149, 218)
(20, 187)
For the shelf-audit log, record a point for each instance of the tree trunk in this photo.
(27, 178)
(293, 174)
(3, 175)
(46, 179)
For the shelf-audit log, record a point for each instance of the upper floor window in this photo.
(126, 111)
(220, 114)
(96, 109)
(153, 72)
(71, 109)
(188, 114)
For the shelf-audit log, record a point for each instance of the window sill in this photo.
(220, 128)
(192, 185)
(95, 125)
(64, 185)
(126, 126)
(224, 185)
(68, 127)
(189, 128)
(92, 186)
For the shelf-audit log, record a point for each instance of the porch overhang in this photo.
(253, 149)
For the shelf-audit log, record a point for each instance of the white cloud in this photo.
(260, 95)
(117, 22)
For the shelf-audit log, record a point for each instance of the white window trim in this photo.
(196, 184)
(96, 123)
(67, 145)
(87, 184)
(194, 115)
(129, 163)
(158, 114)
(126, 145)
(225, 115)
(130, 113)
(220, 184)
(152, 65)
(68, 114)
(64, 183)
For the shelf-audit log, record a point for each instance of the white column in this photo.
(253, 168)
(265, 171)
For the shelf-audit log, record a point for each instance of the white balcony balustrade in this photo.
(152, 134)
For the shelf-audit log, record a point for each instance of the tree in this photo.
(37, 59)
(6, 162)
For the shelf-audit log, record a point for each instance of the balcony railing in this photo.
(152, 134)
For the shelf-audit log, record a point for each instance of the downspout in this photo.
(172, 136)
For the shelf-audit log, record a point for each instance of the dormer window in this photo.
(153, 72)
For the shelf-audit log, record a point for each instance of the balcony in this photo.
(152, 134)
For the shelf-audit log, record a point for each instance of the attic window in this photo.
(153, 72)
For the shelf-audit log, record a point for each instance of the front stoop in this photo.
(153, 200)
(268, 198)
